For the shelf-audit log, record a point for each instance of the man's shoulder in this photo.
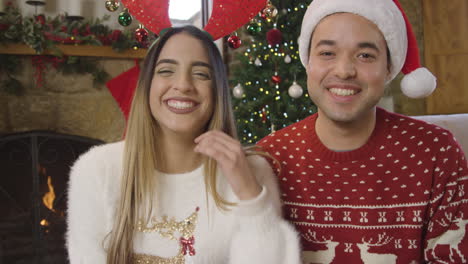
(418, 134)
(413, 126)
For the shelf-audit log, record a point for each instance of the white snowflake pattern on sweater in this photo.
(399, 198)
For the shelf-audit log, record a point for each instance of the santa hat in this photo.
(396, 29)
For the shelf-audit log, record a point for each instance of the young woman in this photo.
(179, 188)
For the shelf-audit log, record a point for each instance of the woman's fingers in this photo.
(230, 156)
(215, 150)
(221, 148)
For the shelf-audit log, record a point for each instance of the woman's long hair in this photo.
(141, 153)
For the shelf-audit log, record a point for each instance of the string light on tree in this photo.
(287, 59)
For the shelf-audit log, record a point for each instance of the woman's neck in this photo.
(176, 153)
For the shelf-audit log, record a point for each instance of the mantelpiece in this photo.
(76, 50)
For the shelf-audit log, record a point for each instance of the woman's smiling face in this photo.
(181, 95)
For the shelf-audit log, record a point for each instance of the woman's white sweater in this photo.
(252, 232)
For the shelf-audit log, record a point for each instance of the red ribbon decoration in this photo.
(187, 245)
(39, 62)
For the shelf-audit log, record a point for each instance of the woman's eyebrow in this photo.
(167, 61)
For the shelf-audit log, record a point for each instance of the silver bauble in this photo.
(238, 91)
(295, 90)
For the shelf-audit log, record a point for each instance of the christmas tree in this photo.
(269, 80)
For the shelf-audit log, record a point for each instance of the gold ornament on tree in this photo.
(270, 10)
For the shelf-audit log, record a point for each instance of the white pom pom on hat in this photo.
(389, 17)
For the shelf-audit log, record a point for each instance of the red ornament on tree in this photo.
(141, 35)
(234, 42)
(276, 78)
(264, 115)
(274, 36)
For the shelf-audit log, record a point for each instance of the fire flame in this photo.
(49, 197)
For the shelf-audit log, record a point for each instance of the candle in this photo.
(2, 6)
(74, 8)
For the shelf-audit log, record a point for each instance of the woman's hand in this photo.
(231, 159)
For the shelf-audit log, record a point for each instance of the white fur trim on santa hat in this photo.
(383, 13)
(419, 83)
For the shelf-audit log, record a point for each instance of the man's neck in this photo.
(345, 136)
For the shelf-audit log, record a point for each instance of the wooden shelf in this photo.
(76, 50)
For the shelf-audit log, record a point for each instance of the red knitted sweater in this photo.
(400, 198)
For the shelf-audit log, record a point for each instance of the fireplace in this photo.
(34, 168)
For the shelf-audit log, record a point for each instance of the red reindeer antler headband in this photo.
(226, 16)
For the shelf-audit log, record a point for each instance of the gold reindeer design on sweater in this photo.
(168, 228)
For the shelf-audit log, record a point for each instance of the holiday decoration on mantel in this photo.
(42, 33)
(112, 5)
(125, 19)
(141, 35)
(234, 42)
(270, 72)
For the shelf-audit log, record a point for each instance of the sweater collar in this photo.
(375, 140)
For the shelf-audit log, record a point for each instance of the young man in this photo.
(363, 185)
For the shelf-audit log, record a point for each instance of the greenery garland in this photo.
(41, 33)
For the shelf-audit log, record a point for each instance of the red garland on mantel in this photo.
(104, 39)
(39, 62)
(123, 87)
